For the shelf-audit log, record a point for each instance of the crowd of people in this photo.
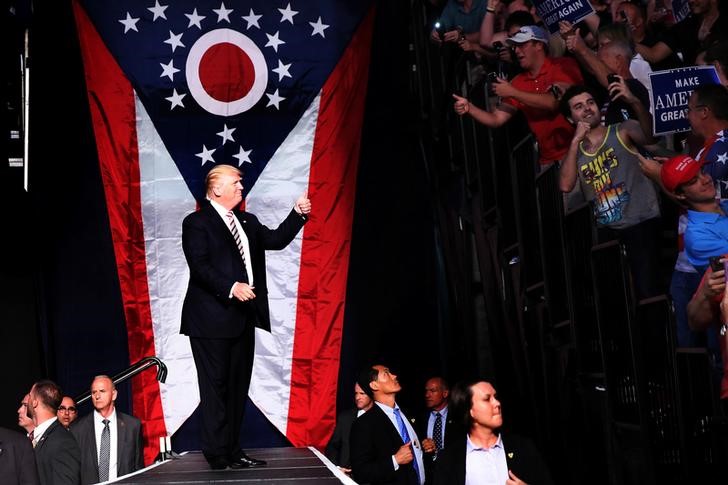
(59, 448)
(586, 95)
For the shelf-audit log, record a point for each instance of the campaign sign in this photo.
(552, 11)
(680, 9)
(671, 90)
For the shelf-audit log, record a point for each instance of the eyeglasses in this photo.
(697, 106)
(64, 409)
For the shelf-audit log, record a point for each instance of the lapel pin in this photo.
(510, 455)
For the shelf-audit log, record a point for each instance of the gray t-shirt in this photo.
(611, 179)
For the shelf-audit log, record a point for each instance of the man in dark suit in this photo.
(17, 462)
(384, 446)
(337, 449)
(482, 452)
(432, 426)
(101, 430)
(226, 298)
(56, 452)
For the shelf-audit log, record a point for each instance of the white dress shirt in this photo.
(113, 435)
(243, 238)
(40, 430)
(485, 466)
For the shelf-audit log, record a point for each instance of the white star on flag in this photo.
(252, 19)
(168, 70)
(129, 23)
(176, 99)
(175, 40)
(222, 13)
(723, 158)
(195, 19)
(158, 11)
(282, 70)
(318, 27)
(274, 41)
(206, 155)
(226, 134)
(287, 14)
(243, 156)
(274, 99)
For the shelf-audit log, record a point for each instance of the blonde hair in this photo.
(214, 175)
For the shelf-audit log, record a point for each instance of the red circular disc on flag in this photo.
(226, 72)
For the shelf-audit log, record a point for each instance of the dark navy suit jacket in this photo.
(129, 449)
(215, 265)
(58, 457)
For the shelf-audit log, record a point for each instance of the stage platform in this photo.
(286, 466)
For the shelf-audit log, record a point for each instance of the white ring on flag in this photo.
(192, 70)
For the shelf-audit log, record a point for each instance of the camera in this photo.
(498, 46)
(491, 77)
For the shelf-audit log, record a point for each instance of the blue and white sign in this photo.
(552, 11)
(680, 9)
(671, 90)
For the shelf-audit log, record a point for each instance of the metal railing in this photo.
(133, 370)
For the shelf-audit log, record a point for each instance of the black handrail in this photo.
(135, 369)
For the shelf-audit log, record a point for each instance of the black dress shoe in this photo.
(218, 462)
(244, 461)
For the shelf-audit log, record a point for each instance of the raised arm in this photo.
(491, 119)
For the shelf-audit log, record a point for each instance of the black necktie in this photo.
(437, 432)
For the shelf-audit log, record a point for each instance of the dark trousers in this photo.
(643, 254)
(223, 374)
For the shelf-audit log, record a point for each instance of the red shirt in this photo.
(553, 133)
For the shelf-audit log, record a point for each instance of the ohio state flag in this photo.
(276, 88)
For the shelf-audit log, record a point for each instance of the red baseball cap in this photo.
(678, 170)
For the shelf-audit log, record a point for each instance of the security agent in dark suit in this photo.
(482, 450)
(337, 449)
(125, 431)
(226, 298)
(434, 440)
(380, 455)
(17, 461)
(57, 455)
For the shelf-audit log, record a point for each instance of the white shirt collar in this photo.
(43, 427)
(100, 419)
(473, 447)
(220, 209)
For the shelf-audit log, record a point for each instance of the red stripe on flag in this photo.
(326, 245)
(113, 116)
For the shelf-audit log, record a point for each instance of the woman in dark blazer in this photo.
(515, 460)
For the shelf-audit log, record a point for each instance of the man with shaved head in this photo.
(110, 441)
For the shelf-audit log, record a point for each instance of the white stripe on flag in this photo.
(282, 181)
(166, 200)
